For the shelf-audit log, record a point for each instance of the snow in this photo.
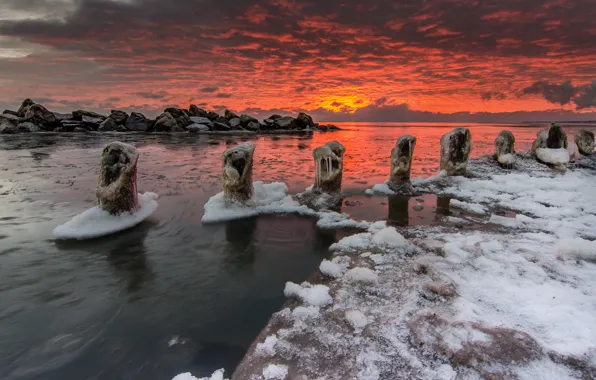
(507, 159)
(388, 237)
(268, 346)
(217, 375)
(335, 268)
(362, 275)
(356, 319)
(573, 151)
(553, 156)
(275, 372)
(474, 208)
(312, 295)
(95, 222)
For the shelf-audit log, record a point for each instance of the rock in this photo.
(304, 121)
(329, 167)
(505, 149)
(237, 172)
(24, 106)
(117, 183)
(573, 150)
(92, 122)
(63, 116)
(9, 112)
(108, 125)
(222, 120)
(137, 122)
(196, 128)
(245, 119)
(286, 122)
(401, 159)
(70, 125)
(221, 127)
(40, 116)
(119, 117)
(175, 112)
(585, 142)
(164, 123)
(331, 128)
(78, 115)
(183, 121)
(269, 121)
(456, 147)
(274, 117)
(212, 115)
(7, 128)
(230, 115)
(557, 138)
(253, 126)
(28, 128)
(121, 128)
(200, 120)
(14, 120)
(81, 130)
(196, 111)
(235, 123)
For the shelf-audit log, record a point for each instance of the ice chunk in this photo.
(388, 237)
(217, 375)
(363, 275)
(553, 156)
(96, 222)
(275, 372)
(475, 208)
(331, 269)
(356, 319)
(313, 295)
(268, 346)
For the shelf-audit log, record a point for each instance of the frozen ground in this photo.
(508, 292)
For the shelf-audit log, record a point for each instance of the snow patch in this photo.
(363, 275)
(267, 348)
(356, 319)
(312, 295)
(217, 375)
(553, 156)
(275, 372)
(474, 208)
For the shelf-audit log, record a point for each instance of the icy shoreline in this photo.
(487, 297)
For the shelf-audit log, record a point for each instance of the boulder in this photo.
(14, 120)
(9, 112)
(275, 117)
(196, 128)
(183, 121)
(92, 122)
(304, 121)
(137, 122)
(332, 128)
(222, 120)
(286, 122)
(175, 112)
(196, 111)
(212, 115)
(28, 128)
(269, 121)
(108, 125)
(401, 159)
(63, 116)
(585, 142)
(235, 123)
(165, 122)
(253, 126)
(24, 106)
(81, 130)
(121, 128)
(119, 117)
(245, 120)
(557, 139)
(70, 125)
(200, 120)
(221, 127)
(230, 115)
(40, 116)
(78, 115)
(6, 127)
(505, 149)
(456, 147)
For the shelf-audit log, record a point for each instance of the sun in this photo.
(344, 103)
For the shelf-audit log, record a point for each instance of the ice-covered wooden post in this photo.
(585, 142)
(329, 167)
(551, 145)
(401, 159)
(117, 182)
(505, 149)
(237, 172)
(455, 151)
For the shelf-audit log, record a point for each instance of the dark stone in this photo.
(183, 121)
(92, 122)
(7, 128)
(165, 122)
(119, 117)
(14, 120)
(63, 116)
(24, 106)
(137, 122)
(222, 120)
(331, 127)
(108, 125)
(253, 126)
(235, 123)
(285, 123)
(121, 128)
(81, 130)
(304, 121)
(275, 117)
(78, 115)
(28, 128)
(221, 127)
(196, 128)
(70, 125)
(557, 138)
(9, 112)
(212, 115)
(40, 116)
(196, 111)
(585, 142)
(230, 115)
(269, 121)
(245, 120)
(175, 112)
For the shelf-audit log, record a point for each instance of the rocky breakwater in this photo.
(33, 117)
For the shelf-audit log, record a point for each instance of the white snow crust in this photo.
(553, 156)
(96, 222)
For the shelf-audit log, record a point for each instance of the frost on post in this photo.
(117, 183)
(237, 172)
(585, 142)
(551, 145)
(505, 149)
(456, 147)
(401, 159)
(329, 167)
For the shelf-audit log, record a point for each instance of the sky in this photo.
(340, 60)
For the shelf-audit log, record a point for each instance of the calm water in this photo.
(173, 295)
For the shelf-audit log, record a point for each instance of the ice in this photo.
(471, 207)
(312, 295)
(95, 222)
(217, 375)
(275, 372)
(362, 275)
(356, 319)
(553, 156)
(507, 159)
(388, 237)
(268, 346)
(335, 268)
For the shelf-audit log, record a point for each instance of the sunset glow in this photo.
(349, 60)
